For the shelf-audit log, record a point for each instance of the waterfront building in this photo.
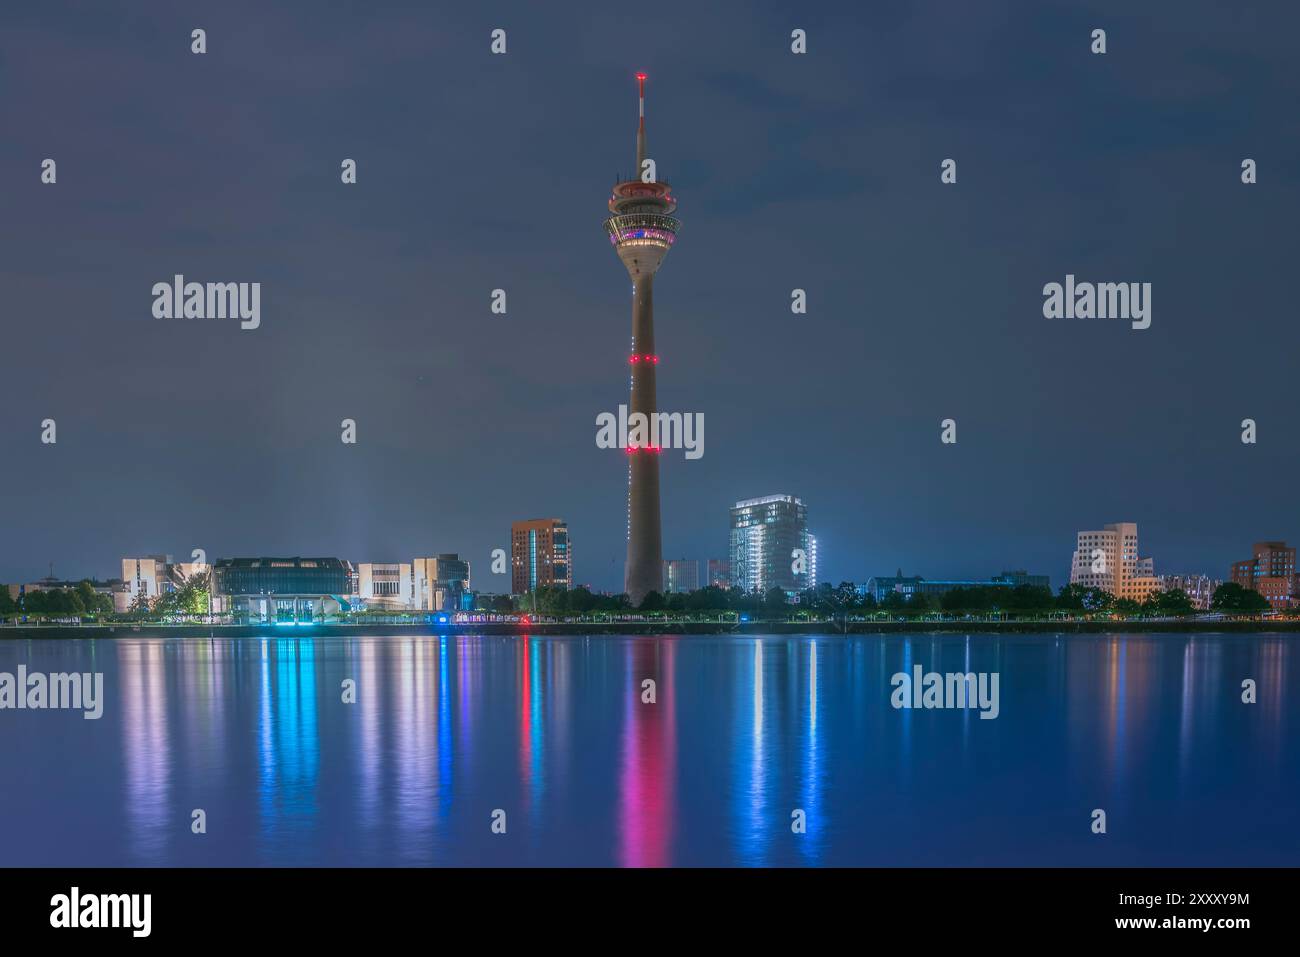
(1020, 576)
(151, 577)
(441, 583)
(283, 590)
(113, 588)
(1199, 588)
(1108, 559)
(681, 575)
(541, 553)
(385, 586)
(1271, 571)
(719, 573)
(880, 587)
(766, 536)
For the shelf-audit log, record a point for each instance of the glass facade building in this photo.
(283, 589)
(768, 537)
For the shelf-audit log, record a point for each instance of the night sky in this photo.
(477, 171)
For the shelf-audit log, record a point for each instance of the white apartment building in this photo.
(1108, 559)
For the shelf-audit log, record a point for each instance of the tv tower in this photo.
(642, 231)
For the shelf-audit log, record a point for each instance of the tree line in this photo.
(1021, 600)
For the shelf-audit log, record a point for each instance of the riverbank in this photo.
(1187, 626)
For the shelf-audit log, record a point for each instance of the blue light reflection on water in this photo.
(742, 733)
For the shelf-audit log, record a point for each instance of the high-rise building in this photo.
(681, 575)
(771, 546)
(1270, 571)
(719, 573)
(1108, 559)
(540, 554)
(642, 230)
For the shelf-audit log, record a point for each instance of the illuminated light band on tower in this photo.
(642, 230)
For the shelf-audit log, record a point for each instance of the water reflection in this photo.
(742, 733)
(146, 747)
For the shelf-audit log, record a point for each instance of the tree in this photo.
(1127, 606)
(581, 601)
(1079, 598)
(1231, 597)
(1028, 598)
(140, 606)
(7, 605)
(774, 601)
(653, 601)
(190, 598)
(1172, 602)
(894, 601)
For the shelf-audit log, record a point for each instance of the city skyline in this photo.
(818, 172)
(1279, 556)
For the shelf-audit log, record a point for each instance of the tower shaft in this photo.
(644, 570)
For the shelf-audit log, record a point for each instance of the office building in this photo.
(771, 546)
(1108, 559)
(283, 590)
(882, 586)
(681, 575)
(1271, 571)
(719, 573)
(152, 576)
(385, 586)
(441, 583)
(541, 554)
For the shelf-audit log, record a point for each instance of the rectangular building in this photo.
(385, 585)
(681, 575)
(1020, 576)
(283, 590)
(882, 586)
(540, 554)
(771, 546)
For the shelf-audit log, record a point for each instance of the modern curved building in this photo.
(642, 230)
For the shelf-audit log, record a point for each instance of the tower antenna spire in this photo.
(640, 129)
